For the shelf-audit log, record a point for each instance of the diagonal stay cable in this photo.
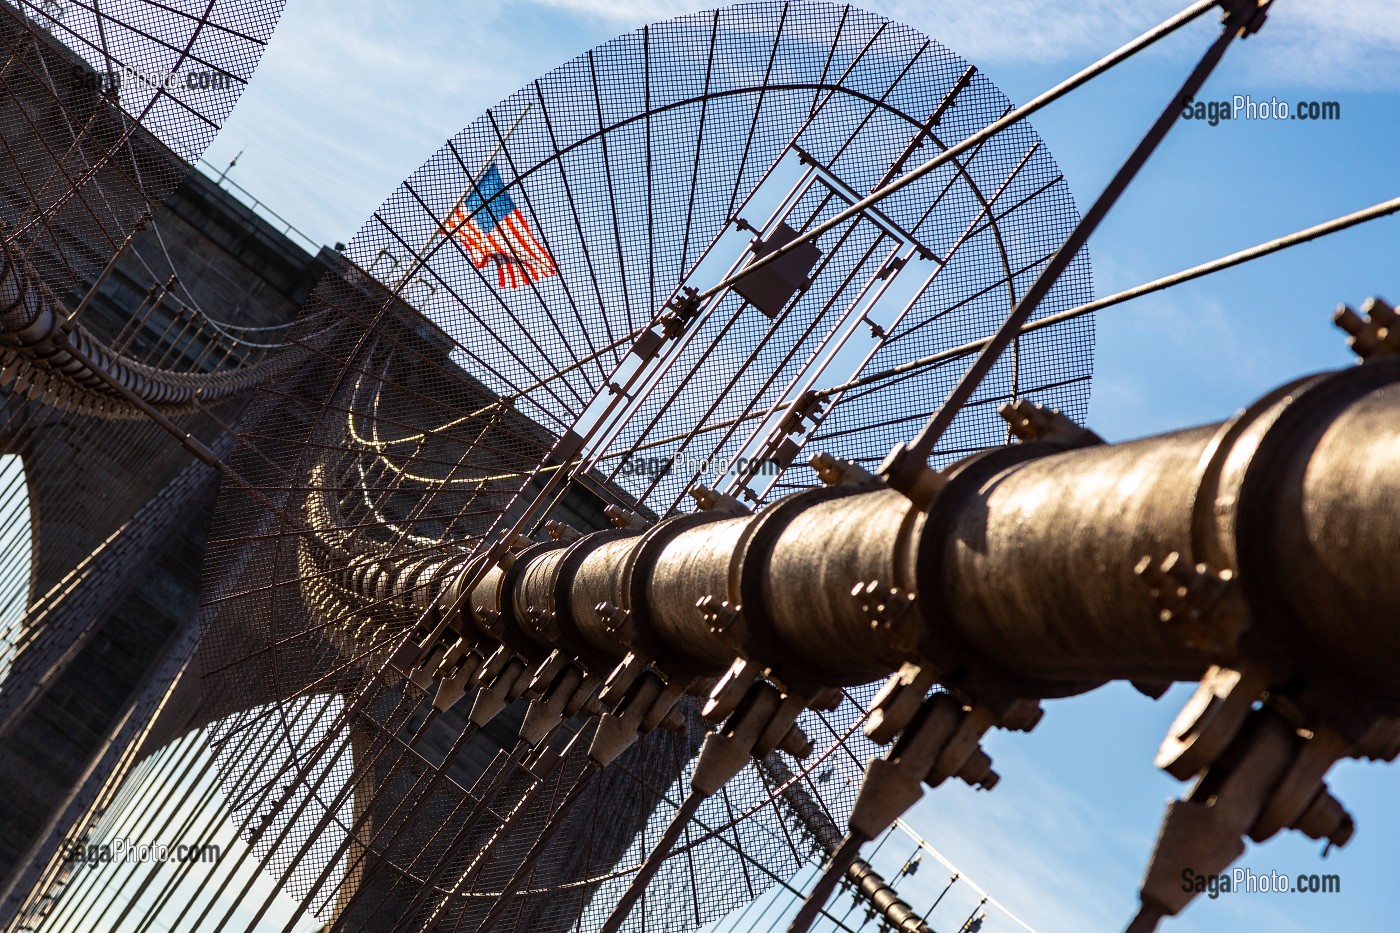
(906, 464)
(1161, 31)
(1306, 235)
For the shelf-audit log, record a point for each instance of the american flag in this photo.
(493, 230)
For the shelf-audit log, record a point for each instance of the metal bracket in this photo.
(558, 531)
(906, 471)
(680, 311)
(835, 471)
(1210, 720)
(1030, 421)
(884, 606)
(622, 518)
(614, 618)
(717, 613)
(1269, 778)
(761, 720)
(1188, 594)
(1247, 16)
(710, 500)
(1375, 335)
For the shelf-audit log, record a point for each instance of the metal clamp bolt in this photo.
(1374, 335)
(1032, 422)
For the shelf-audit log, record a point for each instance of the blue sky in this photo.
(352, 96)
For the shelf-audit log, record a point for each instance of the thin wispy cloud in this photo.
(353, 96)
(1340, 44)
(1036, 849)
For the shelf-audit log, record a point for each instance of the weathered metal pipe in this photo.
(1320, 513)
(1294, 500)
(1025, 570)
(673, 567)
(1028, 567)
(804, 580)
(596, 583)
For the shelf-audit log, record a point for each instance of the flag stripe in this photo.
(521, 233)
(507, 240)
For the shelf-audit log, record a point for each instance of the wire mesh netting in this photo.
(101, 109)
(515, 336)
(641, 168)
(104, 271)
(90, 142)
(105, 107)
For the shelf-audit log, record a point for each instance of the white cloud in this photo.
(1343, 44)
(353, 96)
(1039, 850)
(626, 11)
(1030, 30)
